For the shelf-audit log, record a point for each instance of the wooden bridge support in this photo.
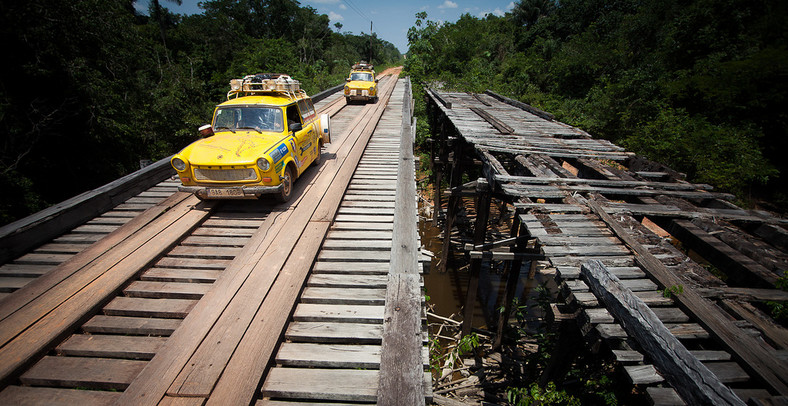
(480, 233)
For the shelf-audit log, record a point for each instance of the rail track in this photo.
(84, 316)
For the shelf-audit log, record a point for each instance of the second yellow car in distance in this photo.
(361, 84)
(261, 139)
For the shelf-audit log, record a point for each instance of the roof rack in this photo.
(363, 65)
(266, 83)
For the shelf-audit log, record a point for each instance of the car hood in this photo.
(358, 84)
(226, 148)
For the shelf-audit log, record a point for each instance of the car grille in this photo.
(224, 175)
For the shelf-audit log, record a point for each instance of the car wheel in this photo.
(319, 156)
(287, 185)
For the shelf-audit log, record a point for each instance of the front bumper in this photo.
(246, 192)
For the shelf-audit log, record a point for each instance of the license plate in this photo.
(225, 192)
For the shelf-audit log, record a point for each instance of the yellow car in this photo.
(261, 139)
(361, 84)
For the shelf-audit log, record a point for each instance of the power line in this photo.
(358, 11)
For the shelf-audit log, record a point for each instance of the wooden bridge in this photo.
(628, 244)
(138, 294)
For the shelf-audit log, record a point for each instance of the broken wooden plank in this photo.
(753, 353)
(685, 373)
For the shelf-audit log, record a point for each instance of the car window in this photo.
(306, 113)
(367, 77)
(292, 115)
(258, 118)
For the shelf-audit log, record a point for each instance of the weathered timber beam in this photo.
(499, 125)
(736, 265)
(691, 379)
(752, 352)
(537, 190)
(562, 153)
(746, 294)
(602, 182)
(516, 103)
(438, 97)
(505, 256)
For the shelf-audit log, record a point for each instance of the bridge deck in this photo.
(187, 302)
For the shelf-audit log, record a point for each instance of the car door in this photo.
(299, 144)
(309, 118)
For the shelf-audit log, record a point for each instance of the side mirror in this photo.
(206, 130)
(347, 80)
(377, 80)
(296, 127)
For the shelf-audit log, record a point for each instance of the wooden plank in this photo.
(774, 333)
(735, 264)
(402, 370)
(111, 346)
(308, 355)
(774, 372)
(351, 267)
(167, 290)
(684, 331)
(332, 332)
(350, 245)
(193, 263)
(144, 307)
(664, 397)
(130, 325)
(685, 373)
(347, 281)
(181, 275)
(36, 396)
(227, 253)
(338, 313)
(325, 384)
(345, 296)
(643, 374)
(354, 256)
(90, 373)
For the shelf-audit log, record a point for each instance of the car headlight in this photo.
(178, 164)
(263, 164)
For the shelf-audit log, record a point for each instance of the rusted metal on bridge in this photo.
(166, 299)
(579, 199)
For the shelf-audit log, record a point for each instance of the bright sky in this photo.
(390, 19)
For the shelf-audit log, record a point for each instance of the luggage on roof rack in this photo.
(265, 83)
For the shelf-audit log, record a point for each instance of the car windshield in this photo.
(367, 77)
(255, 118)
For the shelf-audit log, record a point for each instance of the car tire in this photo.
(319, 157)
(286, 191)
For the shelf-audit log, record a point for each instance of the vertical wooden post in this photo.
(513, 276)
(438, 168)
(479, 234)
(454, 201)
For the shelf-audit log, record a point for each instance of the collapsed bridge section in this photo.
(694, 268)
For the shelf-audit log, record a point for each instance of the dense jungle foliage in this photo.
(699, 85)
(90, 87)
